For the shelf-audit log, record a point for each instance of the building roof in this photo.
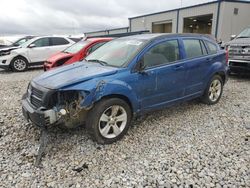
(198, 5)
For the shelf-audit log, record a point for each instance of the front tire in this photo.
(213, 91)
(108, 121)
(19, 64)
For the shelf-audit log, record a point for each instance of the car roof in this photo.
(165, 35)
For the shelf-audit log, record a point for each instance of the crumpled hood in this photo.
(72, 74)
(239, 42)
(8, 49)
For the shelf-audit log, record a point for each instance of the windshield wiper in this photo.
(98, 61)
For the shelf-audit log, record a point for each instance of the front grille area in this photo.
(36, 92)
(36, 97)
(239, 50)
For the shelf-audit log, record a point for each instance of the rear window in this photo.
(212, 48)
(58, 41)
(193, 48)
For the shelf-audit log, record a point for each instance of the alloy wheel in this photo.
(113, 121)
(215, 90)
(19, 64)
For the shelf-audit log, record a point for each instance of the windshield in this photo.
(25, 44)
(20, 41)
(117, 52)
(76, 47)
(244, 34)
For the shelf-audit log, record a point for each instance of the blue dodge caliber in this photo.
(125, 78)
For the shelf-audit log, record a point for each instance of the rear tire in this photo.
(213, 91)
(108, 121)
(19, 64)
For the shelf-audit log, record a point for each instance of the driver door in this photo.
(38, 50)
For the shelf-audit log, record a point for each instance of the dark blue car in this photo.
(126, 78)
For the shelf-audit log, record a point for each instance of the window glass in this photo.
(58, 41)
(41, 42)
(193, 48)
(212, 48)
(76, 47)
(96, 46)
(19, 42)
(204, 50)
(163, 53)
(117, 52)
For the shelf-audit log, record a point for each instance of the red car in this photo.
(74, 53)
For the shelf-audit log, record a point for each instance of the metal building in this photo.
(221, 18)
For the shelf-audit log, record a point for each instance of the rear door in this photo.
(197, 62)
(165, 74)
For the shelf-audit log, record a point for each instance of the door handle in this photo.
(179, 67)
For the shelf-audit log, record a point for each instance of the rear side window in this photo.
(55, 41)
(41, 42)
(193, 48)
(204, 50)
(163, 53)
(212, 48)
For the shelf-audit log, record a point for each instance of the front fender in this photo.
(20, 52)
(96, 89)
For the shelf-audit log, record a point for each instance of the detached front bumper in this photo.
(41, 118)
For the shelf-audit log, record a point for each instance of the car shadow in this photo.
(245, 76)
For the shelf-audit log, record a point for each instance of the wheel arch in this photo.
(119, 96)
(222, 75)
(14, 58)
(22, 56)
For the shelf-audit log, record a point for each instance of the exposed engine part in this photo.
(70, 111)
(63, 112)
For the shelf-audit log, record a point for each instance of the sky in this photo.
(44, 17)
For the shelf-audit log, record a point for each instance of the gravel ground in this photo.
(188, 145)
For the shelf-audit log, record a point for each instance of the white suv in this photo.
(33, 52)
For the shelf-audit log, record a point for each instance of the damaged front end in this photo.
(46, 107)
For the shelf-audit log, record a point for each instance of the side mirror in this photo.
(141, 66)
(233, 37)
(32, 46)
